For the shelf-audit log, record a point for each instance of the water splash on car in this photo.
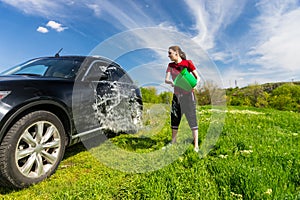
(118, 110)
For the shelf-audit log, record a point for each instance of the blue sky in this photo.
(250, 41)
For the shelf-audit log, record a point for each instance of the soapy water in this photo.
(118, 110)
(105, 99)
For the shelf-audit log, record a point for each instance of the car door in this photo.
(114, 96)
(107, 95)
(91, 77)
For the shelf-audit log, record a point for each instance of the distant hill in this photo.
(281, 96)
(269, 87)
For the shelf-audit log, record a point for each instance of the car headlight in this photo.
(3, 94)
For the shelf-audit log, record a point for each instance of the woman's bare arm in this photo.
(167, 79)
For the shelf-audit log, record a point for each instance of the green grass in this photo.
(257, 156)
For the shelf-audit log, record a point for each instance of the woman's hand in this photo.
(195, 73)
(169, 82)
(167, 79)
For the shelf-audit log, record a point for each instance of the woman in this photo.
(183, 101)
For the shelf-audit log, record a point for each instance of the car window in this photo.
(101, 70)
(95, 71)
(117, 74)
(63, 68)
(34, 70)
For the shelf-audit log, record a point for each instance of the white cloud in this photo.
(95, 8)
(279, 36)
(270, 47)
(117, 14)
(244, 77)
(56, 26)
(212, 17)
(57, 9)
(40, 7)
(42, 29)
(122, 15)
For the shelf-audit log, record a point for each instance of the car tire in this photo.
(32, 149)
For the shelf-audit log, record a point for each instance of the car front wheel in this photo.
(32, 149)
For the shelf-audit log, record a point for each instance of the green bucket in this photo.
(185, 80)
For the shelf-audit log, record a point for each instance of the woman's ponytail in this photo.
(182, 55)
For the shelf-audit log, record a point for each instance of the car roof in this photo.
(73, 57)
(86, 59)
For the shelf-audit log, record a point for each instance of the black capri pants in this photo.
(184, 104)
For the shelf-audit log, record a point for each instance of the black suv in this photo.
(49, 103)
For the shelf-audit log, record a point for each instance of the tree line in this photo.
(285, 96)
(281, 96)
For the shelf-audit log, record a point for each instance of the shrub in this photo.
(286, 97)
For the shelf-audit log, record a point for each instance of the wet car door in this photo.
(114, 94)
(84, 95)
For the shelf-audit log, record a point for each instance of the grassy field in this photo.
(257, 156)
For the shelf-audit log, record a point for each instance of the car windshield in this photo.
(48, 67)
